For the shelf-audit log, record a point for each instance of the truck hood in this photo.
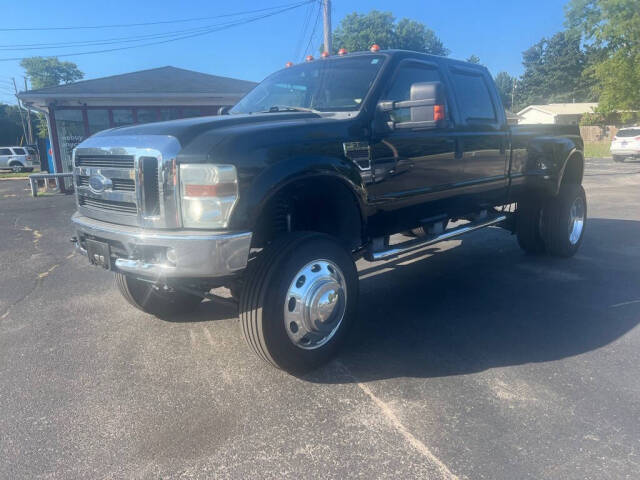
(233, 138)
(185, 130)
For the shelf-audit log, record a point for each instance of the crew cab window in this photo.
(5, 151)
(400, 89)
(473, 97)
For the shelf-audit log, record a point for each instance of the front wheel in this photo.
(161, 301)
(299, 300)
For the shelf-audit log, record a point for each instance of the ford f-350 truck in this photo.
(314, 169)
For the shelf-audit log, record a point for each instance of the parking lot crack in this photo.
(395, 422)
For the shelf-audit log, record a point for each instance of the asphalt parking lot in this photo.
(475, 362)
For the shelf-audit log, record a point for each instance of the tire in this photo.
(162, 304)
(276, 325)
(528, 223)
(618, 158)
(16, 168)
(564, 221)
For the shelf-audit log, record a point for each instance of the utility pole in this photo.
(28, 115)
(513, 93)
(326, 10)
(24, 129)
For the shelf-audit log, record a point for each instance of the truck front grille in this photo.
(128, 180)
(119, 184)
(105, 161)
(125, 208)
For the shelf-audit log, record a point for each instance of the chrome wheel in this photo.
(315, 304)
(576, 220)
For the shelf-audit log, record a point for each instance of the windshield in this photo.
(331, 85)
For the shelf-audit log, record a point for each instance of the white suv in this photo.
(626, 143)
(18, 159)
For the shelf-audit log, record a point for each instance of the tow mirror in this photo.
(426, 105)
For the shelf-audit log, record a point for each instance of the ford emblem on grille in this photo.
(98, 183)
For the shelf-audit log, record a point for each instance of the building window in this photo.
(98, 120)
(122, 116)
(170, 113)
(191, 112)
(147, 115)
(70, 128)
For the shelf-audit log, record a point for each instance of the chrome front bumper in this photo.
(162, 253)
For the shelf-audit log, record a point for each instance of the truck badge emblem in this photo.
(98, 183)
(359, 153)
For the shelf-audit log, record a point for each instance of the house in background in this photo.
(555, 113)
(77, 110)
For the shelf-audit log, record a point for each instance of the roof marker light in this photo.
(375, 48)
(288, 64)
(309, 58)
(342, 51)
(325, 54)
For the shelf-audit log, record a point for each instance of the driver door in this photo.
(412, 168)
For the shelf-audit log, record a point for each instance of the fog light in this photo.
(171, 255)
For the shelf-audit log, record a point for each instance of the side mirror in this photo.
(426, 105)
(224, 110)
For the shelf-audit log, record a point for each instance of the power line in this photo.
(162, 22)
(313, 32)
(182, 37)
(114, 40)
(303, 32)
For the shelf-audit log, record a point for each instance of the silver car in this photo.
(18, 159)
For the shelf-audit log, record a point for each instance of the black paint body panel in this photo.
(414, 175)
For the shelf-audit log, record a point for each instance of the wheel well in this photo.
(15, 163)
(320, 204)
(574, 170)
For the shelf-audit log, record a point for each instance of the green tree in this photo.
(10, 125)
(474, 59)
(49, 71)
(610, 30)
(554, 72)
(357, 32)
(504, 84)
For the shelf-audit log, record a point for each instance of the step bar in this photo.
(401, 248)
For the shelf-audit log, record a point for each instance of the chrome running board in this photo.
(401, 248)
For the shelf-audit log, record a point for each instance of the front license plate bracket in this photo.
(99, 253)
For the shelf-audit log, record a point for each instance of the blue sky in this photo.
(496, 31)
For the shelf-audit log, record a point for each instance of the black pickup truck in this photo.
(314, 169)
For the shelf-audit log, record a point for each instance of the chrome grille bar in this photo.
(105, 161)
(108, 205)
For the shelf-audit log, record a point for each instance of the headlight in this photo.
(208, 194)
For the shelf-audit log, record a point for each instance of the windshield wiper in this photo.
(287, 108)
